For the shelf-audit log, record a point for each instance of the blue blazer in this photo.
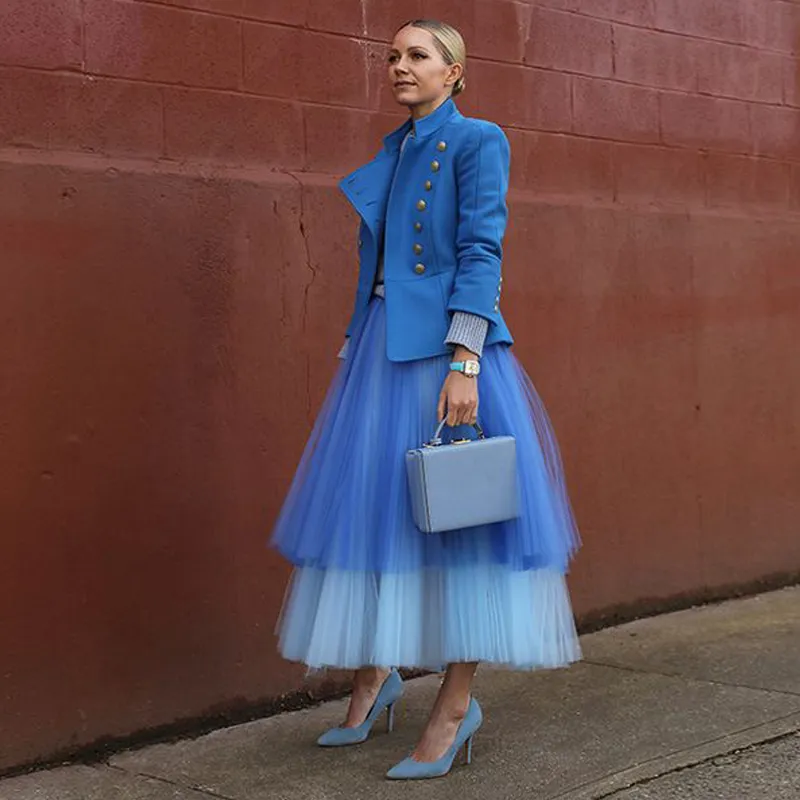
(441, 205)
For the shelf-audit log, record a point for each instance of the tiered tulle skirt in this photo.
(368, 587)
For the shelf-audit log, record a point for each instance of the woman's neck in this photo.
(424, 109)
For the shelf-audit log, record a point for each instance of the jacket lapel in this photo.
(367, 189)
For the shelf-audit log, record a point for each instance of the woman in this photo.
(369, 591)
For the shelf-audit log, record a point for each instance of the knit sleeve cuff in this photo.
(343, 352)
(468, 330)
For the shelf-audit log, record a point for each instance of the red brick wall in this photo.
(177, 273)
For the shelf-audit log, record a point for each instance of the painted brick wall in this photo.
(178, 269)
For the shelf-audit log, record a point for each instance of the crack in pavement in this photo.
(170, 782)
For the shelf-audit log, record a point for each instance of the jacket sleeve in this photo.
(482, 177)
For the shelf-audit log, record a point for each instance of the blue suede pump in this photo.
(391, 691)
(409, 769)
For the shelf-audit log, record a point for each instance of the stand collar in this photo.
(423, 127)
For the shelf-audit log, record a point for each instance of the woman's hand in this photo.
(459, 396)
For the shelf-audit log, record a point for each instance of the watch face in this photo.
(471, 367)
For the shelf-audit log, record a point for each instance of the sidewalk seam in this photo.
(710, 758)
(712, 681)
(678, 760)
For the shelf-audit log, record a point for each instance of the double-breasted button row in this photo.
(419, 268)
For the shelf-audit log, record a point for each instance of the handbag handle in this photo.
(436, 440)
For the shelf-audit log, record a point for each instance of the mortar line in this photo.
(758, 47)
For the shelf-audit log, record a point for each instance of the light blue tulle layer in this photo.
(348, 508)
(427, 619)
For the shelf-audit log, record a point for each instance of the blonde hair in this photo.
(450, 44)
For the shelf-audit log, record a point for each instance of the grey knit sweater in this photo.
(466, 329)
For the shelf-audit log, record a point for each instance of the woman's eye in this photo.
(418, 55)
(392, 59)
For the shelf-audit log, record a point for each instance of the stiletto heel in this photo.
(390, 718)
(389, 694)
(409, 769)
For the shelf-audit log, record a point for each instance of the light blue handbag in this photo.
(464, 483)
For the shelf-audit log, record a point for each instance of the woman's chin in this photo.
(405, 98)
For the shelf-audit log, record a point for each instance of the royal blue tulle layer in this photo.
(348, 506)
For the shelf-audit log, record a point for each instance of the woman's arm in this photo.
(482, 174)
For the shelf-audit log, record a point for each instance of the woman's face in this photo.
(418, 74)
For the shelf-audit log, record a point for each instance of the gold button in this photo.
(419, 269)
(417, 248)
(417, 226)
(428, 186)
(360, 243)
(435, 166)
(441, 147)
(421, 205)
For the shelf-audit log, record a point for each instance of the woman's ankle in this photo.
(369, 677)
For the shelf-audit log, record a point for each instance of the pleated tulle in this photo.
(348, 507)
(429, 618)
(368, 587)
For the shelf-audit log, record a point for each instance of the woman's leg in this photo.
(367, 682)
(447, 712)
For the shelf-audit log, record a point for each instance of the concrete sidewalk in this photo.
(651, 699)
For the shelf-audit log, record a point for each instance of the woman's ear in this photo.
(454, 72)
